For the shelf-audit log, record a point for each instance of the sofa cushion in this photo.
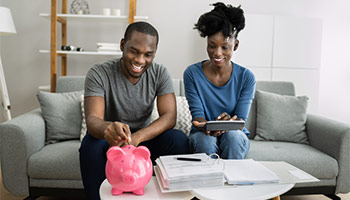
(280, 117)
(56, 161)
(184, 118)
(303, 156)
(62, 115)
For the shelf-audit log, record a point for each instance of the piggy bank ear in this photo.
(114, 152)
(143, 152)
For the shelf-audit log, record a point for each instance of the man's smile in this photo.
(137, 68)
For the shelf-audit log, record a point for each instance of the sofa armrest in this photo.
(20, 138)
(333, 138)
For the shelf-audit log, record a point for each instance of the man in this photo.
(119, 99)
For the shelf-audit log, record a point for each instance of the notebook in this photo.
(248, 171)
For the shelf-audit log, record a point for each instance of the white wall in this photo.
(180, 45)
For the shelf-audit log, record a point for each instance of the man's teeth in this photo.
(137, 67)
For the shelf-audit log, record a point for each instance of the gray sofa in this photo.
(29, 167)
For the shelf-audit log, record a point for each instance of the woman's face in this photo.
(220, 48)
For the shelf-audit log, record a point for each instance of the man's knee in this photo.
(177, 139)
(92, 147)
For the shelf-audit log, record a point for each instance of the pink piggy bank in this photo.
(128, 169)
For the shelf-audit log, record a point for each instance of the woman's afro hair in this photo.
(226, 19)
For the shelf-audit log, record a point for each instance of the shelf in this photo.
(110, 18)
(44, 88)
(117, 53)
(61, 19)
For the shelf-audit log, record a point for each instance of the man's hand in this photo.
(117, 134)
(134, 141)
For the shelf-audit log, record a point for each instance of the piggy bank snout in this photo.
(128, 177)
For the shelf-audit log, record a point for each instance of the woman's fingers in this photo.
(223, 116)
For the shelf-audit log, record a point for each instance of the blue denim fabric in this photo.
(233, 144)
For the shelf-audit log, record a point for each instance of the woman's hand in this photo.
(223, 116)
(200, 126)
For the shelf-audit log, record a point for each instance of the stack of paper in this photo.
(107, 47)
(186, 174)
(248, 171)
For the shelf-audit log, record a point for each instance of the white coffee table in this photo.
(246, 192)
(152, 191)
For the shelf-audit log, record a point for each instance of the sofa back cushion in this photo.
(278, 87)
(280, 117)
(70, 83)
(62, 115)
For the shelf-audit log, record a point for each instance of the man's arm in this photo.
(167, 118)
(113, 132)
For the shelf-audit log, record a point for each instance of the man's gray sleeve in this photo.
(165, 83)
(93, 83)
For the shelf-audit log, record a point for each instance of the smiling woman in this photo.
(219, 89)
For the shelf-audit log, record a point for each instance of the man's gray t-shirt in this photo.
(125, 102)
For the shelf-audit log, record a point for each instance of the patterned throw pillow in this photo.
(184, 118)
(83, 122)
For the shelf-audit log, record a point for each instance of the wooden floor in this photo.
(5, 195)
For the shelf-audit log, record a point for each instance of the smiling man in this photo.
(119, 99)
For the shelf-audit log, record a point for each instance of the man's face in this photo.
(220, 48)
(138, 54)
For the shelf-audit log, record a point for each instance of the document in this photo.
(248, 171)
(189, 171)
(176, 168)
(186, 172)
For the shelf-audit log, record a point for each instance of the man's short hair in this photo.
(142, 27)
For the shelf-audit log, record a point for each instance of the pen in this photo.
(188, 159)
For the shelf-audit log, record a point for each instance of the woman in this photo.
(218, 89)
